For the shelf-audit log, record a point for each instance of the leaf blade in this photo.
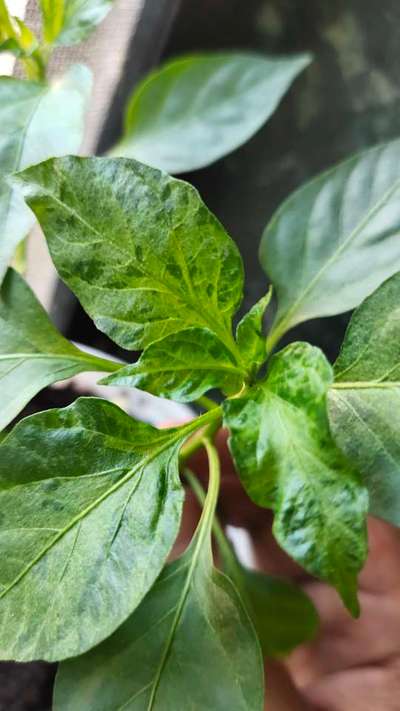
(82, 524)
(344, 219)
(196, 109)
(146, 219)
(38, 121)
(182, 366)
(363, 401)
(280, 442)
(32, 352)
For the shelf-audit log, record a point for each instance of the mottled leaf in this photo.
(335, 239)
(68, 22)
(182, 366)
(37, 121)
(196, 109)
(364, 400)
(190, 645)
(90, 505)
(249, 334)
(140, 249)
(33, 354)
(281, 444)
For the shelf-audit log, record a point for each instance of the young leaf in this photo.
(68, 22)
(33, 354)
(364, 400)
(140, 249)
(196, 109)
(182, 366)
(249, 334)
(281, 444)
(189, 645)
(90, 506)
(37, 121)
(319, 247)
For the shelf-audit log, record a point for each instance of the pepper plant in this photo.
(185, 115)
(91, 499)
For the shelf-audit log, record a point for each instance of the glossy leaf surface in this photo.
(364, 402)
(189, 645)
(90, 506)
(37, 121)
(182, 366)
(196, 109)
(33, 354)
(335, 239)
(68, 22)
(287, 461)
(141, 251)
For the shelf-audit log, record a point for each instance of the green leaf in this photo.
(182, 366)
(33, 354)
(196, 109)
(319, 247)
(37, 121)
(282, 614)
(139, 249)
(364, 400)
(189, 645)
(90, 505)
(287, 460)
(249, 334)
(68, 22)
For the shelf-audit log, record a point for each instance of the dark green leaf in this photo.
(90, 505)
(283, 450)
(37, 121)
(335, 239)
(364, 400)
(190, 645)
(282, 614)
(68, 22)
(140, 249)
(32, 352)
(182, 366)
(249, 334)
(196, 109)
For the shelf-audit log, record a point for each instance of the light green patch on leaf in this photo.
(190, 644)
(319, 247)
(287, 460)
(33, 354)
(196, 109)
(140, 250)
(90, 505)
(250, 337)
(68, 22)
(364, 400)
(37, 121)
(182, 366)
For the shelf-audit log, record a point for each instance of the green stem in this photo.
(206, 403)
(228, 556)
(212, 420)
(275, 336)
(214, 482)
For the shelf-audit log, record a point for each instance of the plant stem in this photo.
(212, 419)
(214, 481)
(228, 556)
(206, 403)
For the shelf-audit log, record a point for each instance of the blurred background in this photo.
(348, 99)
